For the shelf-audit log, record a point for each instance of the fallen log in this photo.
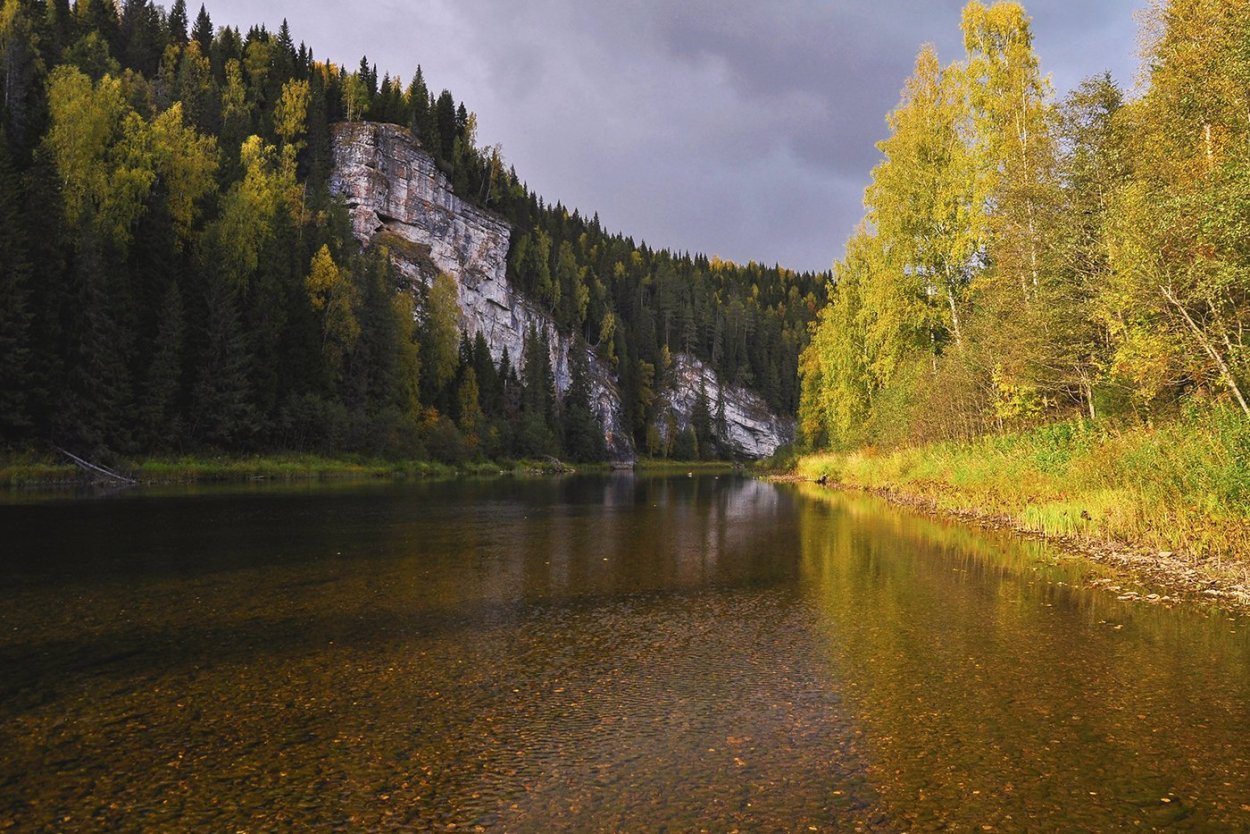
(96, 469)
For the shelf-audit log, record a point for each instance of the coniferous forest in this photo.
(177, 276)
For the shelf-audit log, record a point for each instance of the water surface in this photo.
(591, 654)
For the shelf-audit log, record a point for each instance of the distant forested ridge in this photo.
(176, 275)
(1023, 259)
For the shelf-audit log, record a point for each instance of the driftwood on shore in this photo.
(96, 469)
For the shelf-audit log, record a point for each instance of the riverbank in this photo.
(30, 469)
(23, 470)
(1168, 504)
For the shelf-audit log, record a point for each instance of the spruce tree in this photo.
(21, 72)
(444, 125)
(176, 23)
(95, 410)
(159, 403)
(583, 433)
(418, 96)
(222, 415)
(203, 31)
(15, 306)
(701, 423)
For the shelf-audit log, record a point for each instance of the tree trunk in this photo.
(1210, 350)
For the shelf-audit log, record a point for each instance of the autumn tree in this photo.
(1177, 234)
(440, 337)
(333, 295)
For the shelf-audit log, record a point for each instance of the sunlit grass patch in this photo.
(1182, 486)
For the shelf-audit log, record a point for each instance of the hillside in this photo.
(184, 278)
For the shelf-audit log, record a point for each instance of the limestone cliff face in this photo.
(399, 197)
(747, 424)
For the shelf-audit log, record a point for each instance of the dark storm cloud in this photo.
(742, 129)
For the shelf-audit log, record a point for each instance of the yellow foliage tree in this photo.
(332, 294)
(186, 162)
(251, 208)
(290, 116)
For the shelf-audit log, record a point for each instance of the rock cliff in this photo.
(398, 197)
(745, 422)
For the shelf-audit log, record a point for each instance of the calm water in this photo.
(591, 654)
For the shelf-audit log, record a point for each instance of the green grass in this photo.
(1181, 486)
(20, 469)
(37, 469)
(666, 465)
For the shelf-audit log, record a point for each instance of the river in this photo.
(591, 654)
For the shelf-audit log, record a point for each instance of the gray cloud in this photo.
(735, 128)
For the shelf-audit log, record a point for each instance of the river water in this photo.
(591, 654)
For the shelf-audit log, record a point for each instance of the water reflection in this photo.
(583, 654)
(590, 654)
(993, 692)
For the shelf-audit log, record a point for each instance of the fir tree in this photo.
(95, 407)
(21, 70)
(701, 423)
(222, 414)
(176, 23)
(583, 433)
(444, 125)
(162, 390)
(203, 31)
(15, 307)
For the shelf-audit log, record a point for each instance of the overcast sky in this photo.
(737, 128)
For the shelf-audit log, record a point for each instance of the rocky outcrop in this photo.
(397, 196)
(741, 419)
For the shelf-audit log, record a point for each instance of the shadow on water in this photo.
(591, 654)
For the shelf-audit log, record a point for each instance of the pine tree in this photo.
(21, 69)
(444, 125)
(418, 100)
(99, 18)
(469, 418)
(15, 307)
(58, 30)
(94, 414)
(176, 23)
(701, 423)
(203, 31)
(162, 390)
(489, 386)
(536, 432)
(222, 413)
(583, 433)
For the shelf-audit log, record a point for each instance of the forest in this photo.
(177, 276)
(1024, 260)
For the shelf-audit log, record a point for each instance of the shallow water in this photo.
(591, 654)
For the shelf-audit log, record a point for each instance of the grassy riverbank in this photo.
(32, 469)
(1179, 489)
(665, 466)
(41, 469)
